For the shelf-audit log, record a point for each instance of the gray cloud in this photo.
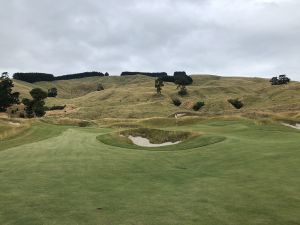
(226, 37)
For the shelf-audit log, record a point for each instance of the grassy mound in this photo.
(157, 136)
(188, 140)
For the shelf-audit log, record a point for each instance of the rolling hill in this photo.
(135, 97)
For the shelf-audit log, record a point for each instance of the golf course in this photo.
(150, 112)
(58, 174)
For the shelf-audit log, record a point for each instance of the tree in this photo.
(52, 92)
(7, 97)
(282, 79)
(158, 84)
(182, 80)
(36, 105)
(28, 107)
(106, 74)
(38, 94)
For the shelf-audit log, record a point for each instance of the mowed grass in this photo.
(68, 177)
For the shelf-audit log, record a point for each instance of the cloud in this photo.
(226, 37)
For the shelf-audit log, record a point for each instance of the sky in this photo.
(225, 37)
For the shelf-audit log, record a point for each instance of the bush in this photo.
(100, 87)
(198, 106)
(182, 91)
(55, 107)
(236, 103)
(52, 92)
(176, 101)
(84, 123)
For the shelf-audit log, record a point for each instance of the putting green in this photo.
(57, 175)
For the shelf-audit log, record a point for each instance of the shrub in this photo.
(55, 107)
(182, 91)
(158, 84)
(84, 123)
(236, 103)
(52, 92)
(176, 101)
(100, 87)
(198, 106)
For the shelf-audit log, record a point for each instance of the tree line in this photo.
(36, 77)
(159, 74)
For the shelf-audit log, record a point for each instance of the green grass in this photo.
(57, 175)
(37, 132)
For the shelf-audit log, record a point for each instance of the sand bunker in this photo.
(144, 142)
(14, 124)
(296, 126)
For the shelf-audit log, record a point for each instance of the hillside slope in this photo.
(135, 97)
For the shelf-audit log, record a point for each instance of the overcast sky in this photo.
(225, 37)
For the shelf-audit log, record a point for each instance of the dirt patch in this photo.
(188, 105)
(3, 115)
(14, 124)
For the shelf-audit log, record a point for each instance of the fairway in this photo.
(66, 175)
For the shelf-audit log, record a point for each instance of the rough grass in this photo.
(12, 127)
(157, 136)
(134, 97)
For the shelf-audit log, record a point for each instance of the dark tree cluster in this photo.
(33, 77)
(181, 79)
(160, 74)
(281, 79)
(52, 92)
(36, 105)
(7, 96)
(79, 75)
(36, 77)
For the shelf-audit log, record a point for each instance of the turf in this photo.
(64, 175)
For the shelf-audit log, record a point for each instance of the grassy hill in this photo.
(226, 170)
(134, 97)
